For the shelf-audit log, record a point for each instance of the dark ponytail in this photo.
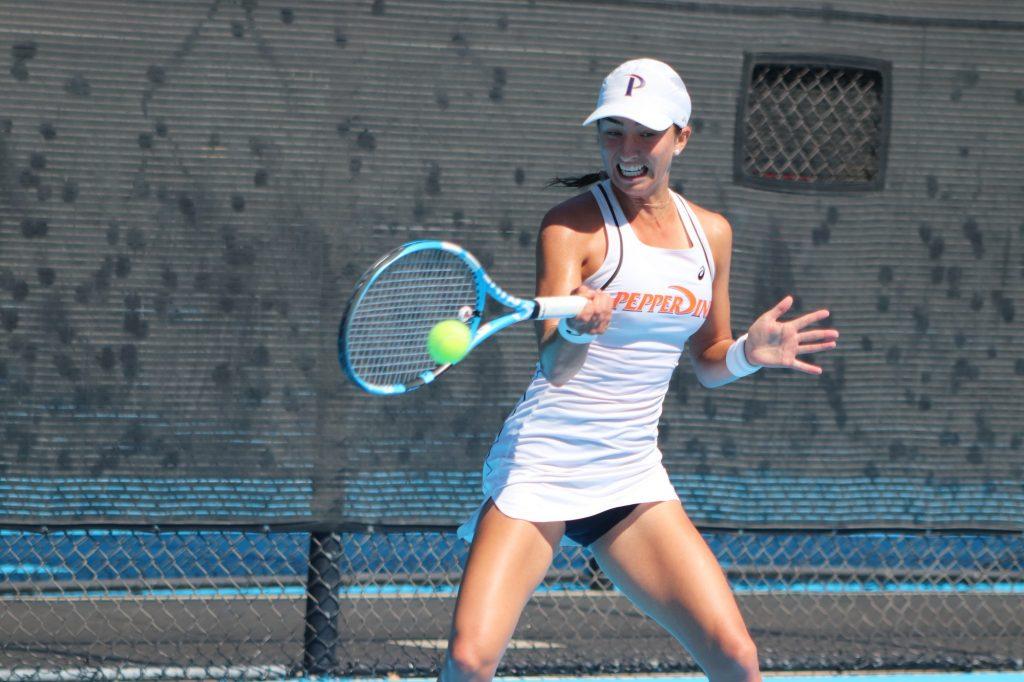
(578, 180)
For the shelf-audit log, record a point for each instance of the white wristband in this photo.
(736, 358)
(571, 335)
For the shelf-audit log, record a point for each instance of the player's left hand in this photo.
(773, 343)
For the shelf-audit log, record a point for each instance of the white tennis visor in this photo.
(646, 91)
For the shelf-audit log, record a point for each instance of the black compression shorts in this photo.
(589, 529)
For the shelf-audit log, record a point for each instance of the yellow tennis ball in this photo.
(448, 342)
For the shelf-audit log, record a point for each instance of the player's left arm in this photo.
(771, 342)
(708, 345)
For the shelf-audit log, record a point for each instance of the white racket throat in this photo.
(549, 307)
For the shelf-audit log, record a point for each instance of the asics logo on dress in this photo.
(642, 302)
(635, 82)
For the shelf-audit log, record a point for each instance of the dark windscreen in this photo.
(188, 193)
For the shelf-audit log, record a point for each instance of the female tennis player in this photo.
(577, 461)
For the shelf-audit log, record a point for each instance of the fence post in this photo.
(322, 582)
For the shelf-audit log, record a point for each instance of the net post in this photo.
(319, 656)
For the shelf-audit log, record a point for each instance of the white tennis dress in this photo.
(572, 451)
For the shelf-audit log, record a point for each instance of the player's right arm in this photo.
(564, 250)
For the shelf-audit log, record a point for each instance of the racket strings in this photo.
(387, 330)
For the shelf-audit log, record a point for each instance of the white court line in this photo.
(280, 672)
(443, 644)
(145, 673)
(352, 596)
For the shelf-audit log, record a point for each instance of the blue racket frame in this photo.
(522, 309)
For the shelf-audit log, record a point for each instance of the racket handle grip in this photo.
(550, 307)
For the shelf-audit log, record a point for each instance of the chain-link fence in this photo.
(812, 124)
(220, 603)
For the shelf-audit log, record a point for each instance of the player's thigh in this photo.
(507, 560)
(660, 561)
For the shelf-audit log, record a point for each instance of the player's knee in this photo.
(471, 660)
(737, 658)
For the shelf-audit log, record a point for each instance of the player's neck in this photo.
(654, 206)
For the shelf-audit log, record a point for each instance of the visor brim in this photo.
(635, 110)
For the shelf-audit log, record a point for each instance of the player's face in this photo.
(636, 158)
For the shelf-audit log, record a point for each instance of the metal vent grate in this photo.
(812, 125)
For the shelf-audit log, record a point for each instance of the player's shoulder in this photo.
(715, 225)
(578, 215)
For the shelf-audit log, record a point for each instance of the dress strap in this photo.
(696, 232)
(618, 216)
(612, 229)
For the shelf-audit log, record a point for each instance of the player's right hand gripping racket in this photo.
(382, 343)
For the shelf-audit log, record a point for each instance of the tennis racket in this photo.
(382, 342)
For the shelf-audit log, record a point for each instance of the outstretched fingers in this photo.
(805, 367)
(779, 343)
(805, 349)
(780, 308)
(817, 335)
(816, 340)
(810, 318)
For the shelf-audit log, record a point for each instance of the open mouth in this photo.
(631, 170)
